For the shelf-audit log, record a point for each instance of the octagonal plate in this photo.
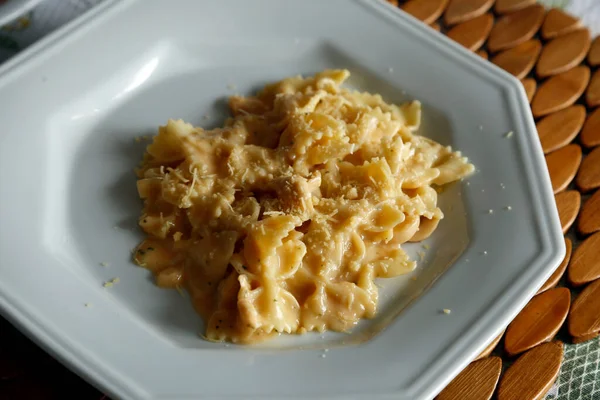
(72, 106)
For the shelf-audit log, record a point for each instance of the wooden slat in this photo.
(562, 166)
(563, 53)
(539, 321)
(560, 128)
(593, 57)
(530, 86)
(560, 91)
(472, 34)
(588, 177)
(584, 318)
(589, 217)
(590, 134)
(425, 10)
(585, 262)
(568, 204)
(558, 23)
(592, 94)
(464, 10)
(520, 59)
(533, 374)
(509, 6)
(476, 382)
(516, 28)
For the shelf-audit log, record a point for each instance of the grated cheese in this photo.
(273, 213)
(190, 189)
(294, 174)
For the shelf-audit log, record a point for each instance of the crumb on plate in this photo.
(111, 282)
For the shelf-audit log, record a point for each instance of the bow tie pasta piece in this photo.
(340, 305)
(268, 307)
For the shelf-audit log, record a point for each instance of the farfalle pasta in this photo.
(280, 221)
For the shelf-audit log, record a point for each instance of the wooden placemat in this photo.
(557, 61)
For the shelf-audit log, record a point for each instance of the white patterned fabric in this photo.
(579, 377)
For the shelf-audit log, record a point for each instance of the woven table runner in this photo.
(26, 372)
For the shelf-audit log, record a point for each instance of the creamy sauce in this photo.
(280, 221)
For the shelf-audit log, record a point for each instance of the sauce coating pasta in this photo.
(280, 221)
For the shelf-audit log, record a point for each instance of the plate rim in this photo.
(19, 318)
(548, 254)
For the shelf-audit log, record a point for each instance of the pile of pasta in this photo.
(280, 221)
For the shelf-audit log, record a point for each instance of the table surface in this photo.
(27, 372)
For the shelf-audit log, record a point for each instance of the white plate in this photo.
(13, 9)
(72, 106)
